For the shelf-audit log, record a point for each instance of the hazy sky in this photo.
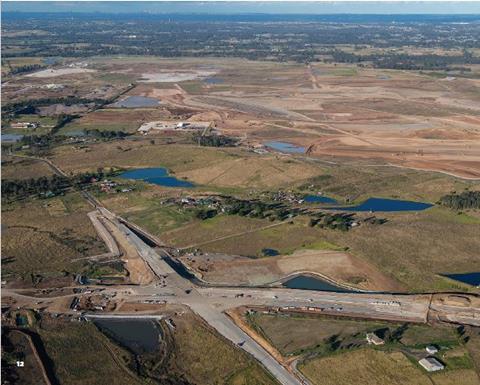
(214, 7)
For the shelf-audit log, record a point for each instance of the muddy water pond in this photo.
(140, 336)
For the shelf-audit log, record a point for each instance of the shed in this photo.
(431, 364)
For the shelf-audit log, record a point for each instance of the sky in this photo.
(239, 7)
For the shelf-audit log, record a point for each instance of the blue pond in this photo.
(137, 335)
(136, 102)
(382, 204)
(468, 278)
(11, 137)
(286, 147)
(319, 199)
(310, 283)
(157, 175)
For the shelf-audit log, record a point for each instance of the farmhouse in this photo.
(24, 125)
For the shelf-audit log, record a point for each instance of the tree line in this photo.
(214, 140)
(464, 200)
(29, 106)
(44, 186)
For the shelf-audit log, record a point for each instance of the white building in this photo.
(431, 349)
(431, 364)
(372, 338)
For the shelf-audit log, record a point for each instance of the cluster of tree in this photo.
(29, 106)
(63, 119)
(105, 134)
(206, 213)
(214, 140)
(339, 221)
(42, 185)
(259, 209)
(409, 62)
(41, 140)
(464, 200)
(25, 68)
(279, 211)
(17, 188)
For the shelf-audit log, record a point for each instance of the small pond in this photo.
(213, 80)
(285, 147)
(468, 278)
(11, 137)
(270, 252)
(156, 175)
(319, 199)
(136, 102)
(386, 205)
(310, 283)
(138, 335)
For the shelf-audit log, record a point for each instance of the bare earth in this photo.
(335, 265)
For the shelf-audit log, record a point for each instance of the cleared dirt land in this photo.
(407, 119)
(339, 266)
(50, 73)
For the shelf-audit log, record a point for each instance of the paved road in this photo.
(176, 291)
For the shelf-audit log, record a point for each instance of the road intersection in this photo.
(212, 302)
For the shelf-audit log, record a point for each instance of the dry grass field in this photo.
(15, 345)
(202, 165)
(414, 248)
(66, 341)
(41, 237)
(17, 168)
(306, 333)
(364, 367)
(200, 232)
(127, 120)
(334, 350)
(196, 355)
(205, 358)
